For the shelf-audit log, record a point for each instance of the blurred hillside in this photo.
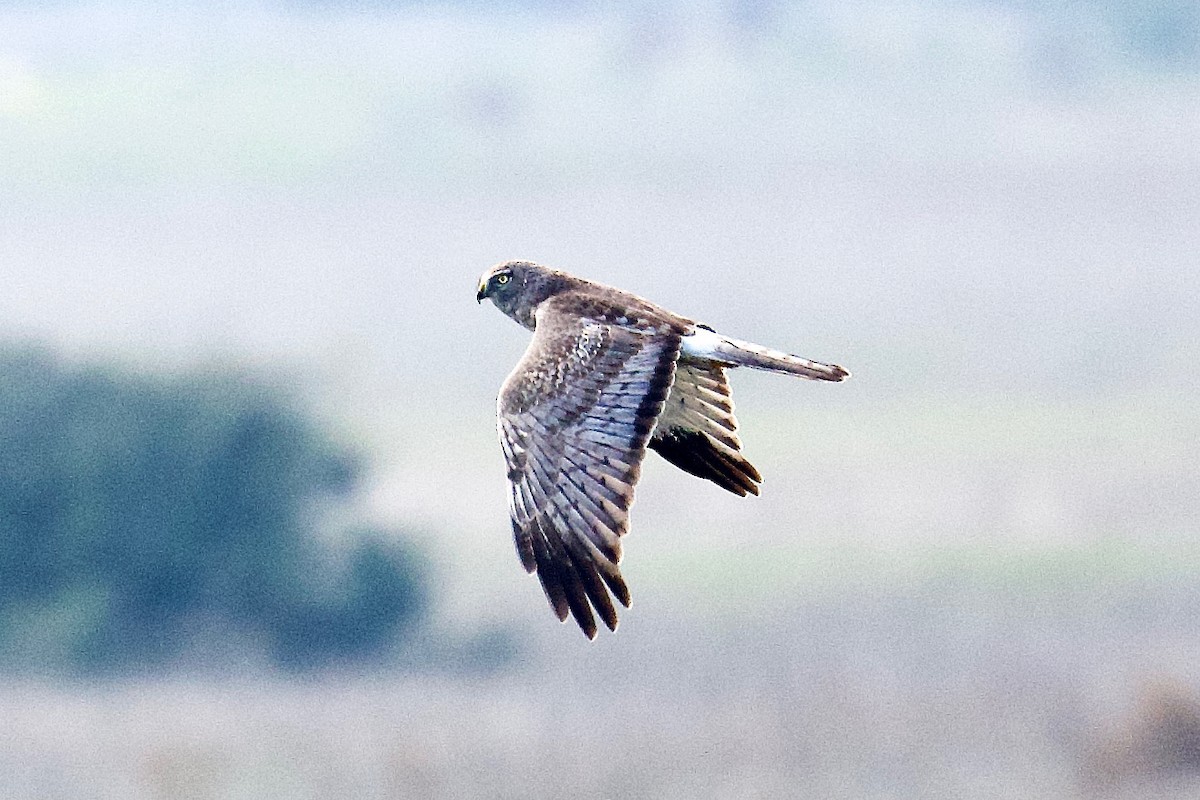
(150, 522)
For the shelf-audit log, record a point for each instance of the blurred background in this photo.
(253, 534)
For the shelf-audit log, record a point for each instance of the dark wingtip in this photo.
(616, 585)
(695, 453)
(589, 629)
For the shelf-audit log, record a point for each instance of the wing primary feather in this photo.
(609, 569)
(595, 529)
(695, 453)
(616, 584)
(606, 542)
(558, 541)
(606, 504)
(548, 575)
(592, 585)
(553, 588)
(577, 598)
(524, 542)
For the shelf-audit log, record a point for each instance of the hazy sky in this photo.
(967, 196)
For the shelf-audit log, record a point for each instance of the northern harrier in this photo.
(607, 375)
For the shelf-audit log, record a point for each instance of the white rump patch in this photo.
(702, 344)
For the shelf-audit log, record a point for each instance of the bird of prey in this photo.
(608, 374)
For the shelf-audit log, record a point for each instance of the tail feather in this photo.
(737, 353)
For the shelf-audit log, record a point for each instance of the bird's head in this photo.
(517, 287)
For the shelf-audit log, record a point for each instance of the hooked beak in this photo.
(482, 293)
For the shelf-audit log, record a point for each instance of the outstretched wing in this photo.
(697, 431)
(574, 418)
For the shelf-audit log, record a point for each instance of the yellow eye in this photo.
(503, 279)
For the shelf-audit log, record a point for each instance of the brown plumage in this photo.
(607, 375)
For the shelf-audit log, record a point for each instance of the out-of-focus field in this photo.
(933, 690)
(1033, 643)
(856, 496)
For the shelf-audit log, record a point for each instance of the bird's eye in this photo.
(503, 279)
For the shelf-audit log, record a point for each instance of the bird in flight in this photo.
(606, 376)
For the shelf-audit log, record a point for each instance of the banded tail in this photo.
(708, 345)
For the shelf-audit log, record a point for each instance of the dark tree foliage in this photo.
(133, 505)
(357, 621)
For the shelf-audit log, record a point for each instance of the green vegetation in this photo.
(141, 513)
